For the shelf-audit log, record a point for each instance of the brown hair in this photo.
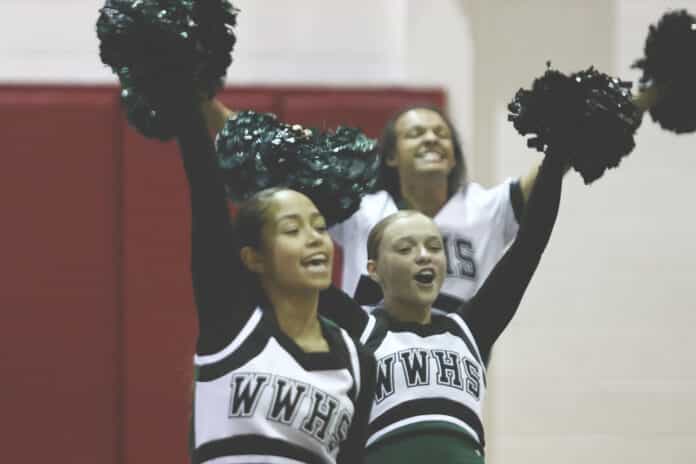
(377, 232)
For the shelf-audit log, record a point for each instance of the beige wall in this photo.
(597, 365)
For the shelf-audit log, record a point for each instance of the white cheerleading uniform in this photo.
(431, 376)
(426, 374)
(259, 398)
(476, 224)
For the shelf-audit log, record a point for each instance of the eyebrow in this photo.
(423, 126)
(410, 238)
(288, 216)
(297, 217)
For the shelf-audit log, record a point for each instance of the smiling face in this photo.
(423, 144)
(296, 251)
(410, 263)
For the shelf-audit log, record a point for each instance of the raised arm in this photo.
(215, 113)
(495, 303)
(221, 293)
(527, 183)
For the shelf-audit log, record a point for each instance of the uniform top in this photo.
(258, 396)
(476, 224)
(434, 374)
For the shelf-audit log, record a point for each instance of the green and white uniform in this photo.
(259, 398)
(477, 225)
(427, 375)
(431, 377)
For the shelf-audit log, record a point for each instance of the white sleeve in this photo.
(505, 214)
(351, 236)
(337, 231)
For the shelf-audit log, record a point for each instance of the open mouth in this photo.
(316, 261)
(425, 276)
(431, 156)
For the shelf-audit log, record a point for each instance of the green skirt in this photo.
(419, 443)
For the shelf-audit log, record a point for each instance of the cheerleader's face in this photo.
(423, 144)
(411, 264)
(297, 252)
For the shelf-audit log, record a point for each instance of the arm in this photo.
(353, 448)
(217, 272)
(527, 183)
(495, 303)
(338, 307)
(215, 114)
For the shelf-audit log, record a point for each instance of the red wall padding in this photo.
(159, 317)
(363, 108)
(98, 326)
(60, 336)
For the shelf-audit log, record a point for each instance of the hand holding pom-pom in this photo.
(163, 51)
(669, 72)
(588, 118)
(334, 169)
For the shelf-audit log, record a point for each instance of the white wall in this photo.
(361, 42)
(332, 42)
(597, 365)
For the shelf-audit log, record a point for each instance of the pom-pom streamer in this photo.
(163, 51)
(335, 169)
(588, 118)
(669, 70)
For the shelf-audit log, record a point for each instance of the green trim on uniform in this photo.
(433, 442)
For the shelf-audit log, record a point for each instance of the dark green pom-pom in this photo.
(588, 118)
(669, 65)
(165, 50)
(334, 169)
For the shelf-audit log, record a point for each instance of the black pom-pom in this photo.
(163, 51)
(334, 169)
(588, 118)
(670, 67)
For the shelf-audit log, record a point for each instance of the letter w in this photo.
(385, 378)
(246, 391)
(287, 396)
(416, 367)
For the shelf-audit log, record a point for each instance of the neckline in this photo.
(431, 328)
(402, 205)
(309, 360)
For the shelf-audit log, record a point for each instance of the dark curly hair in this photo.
(389, 176)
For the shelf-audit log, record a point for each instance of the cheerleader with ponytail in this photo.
(431, 378)
(275, 382)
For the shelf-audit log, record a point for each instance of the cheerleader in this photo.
(274, 381)
(423, 168)
(431, 378)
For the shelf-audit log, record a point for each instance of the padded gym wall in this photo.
(98, 325)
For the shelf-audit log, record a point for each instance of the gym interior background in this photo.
(97, 322)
